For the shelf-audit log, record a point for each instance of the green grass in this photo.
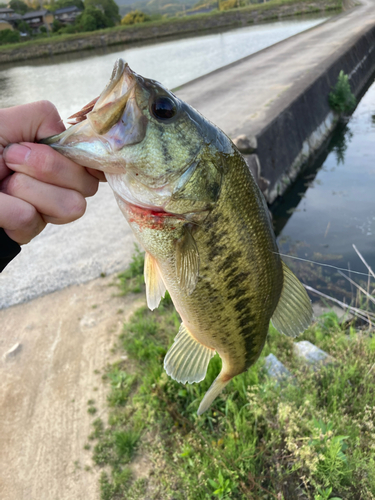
(313, 439)
(131, 280)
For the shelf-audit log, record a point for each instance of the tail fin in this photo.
(217, 386)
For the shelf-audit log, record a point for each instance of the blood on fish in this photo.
(154, 219)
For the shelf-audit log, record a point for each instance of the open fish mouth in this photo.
(105, 125)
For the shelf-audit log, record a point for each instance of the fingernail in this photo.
(16, 154)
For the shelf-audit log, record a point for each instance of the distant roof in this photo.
(71, 8)
(35, 13)
(6, 11)
(3, 21)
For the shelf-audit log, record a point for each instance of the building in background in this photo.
(67, 15)
(39, 18)
(9, 19)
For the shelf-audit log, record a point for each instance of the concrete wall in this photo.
(296, 135)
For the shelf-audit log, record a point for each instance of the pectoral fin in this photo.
(187, 360)
(293, 313)
(187, 261)
(155, 288)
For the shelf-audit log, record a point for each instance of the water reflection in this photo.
(332, 206)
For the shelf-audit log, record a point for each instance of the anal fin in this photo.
(155, 288)
(293, 313)
(187, 360)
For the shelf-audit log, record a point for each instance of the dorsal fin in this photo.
(155, 288)
(187, 360)
(293, 313)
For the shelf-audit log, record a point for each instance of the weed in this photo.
(132, 280)
(314, 439)
(341, 99)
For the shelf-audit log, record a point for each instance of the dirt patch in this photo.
(64, 339)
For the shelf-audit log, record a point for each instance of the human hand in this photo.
(37, 184)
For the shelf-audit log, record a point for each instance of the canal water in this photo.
(72, 80)
(332, 206)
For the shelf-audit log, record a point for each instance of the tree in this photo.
(92, 19)
(135, 17)
(111, 10)
(19, 6)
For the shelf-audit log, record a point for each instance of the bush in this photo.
(135, 17)
(9, 36)
(24, 27)
(56, 25)
(341, 99)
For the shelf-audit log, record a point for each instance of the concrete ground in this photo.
(51, 349)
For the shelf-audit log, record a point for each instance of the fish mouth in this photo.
(105, 125)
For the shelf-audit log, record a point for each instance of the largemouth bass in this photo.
(194, 206)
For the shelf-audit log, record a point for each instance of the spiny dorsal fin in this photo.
(155, 288)
(293, 313)
(187, 360)
(187, 261)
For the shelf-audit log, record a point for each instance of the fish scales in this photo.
(193, 204)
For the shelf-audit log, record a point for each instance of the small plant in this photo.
(325, 494)
(341, 99)
(221, 486)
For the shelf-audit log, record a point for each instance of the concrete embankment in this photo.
(157, 31)
(280, 95)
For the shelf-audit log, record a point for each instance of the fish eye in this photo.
(163, 108)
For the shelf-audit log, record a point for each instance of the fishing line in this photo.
(320, 264)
